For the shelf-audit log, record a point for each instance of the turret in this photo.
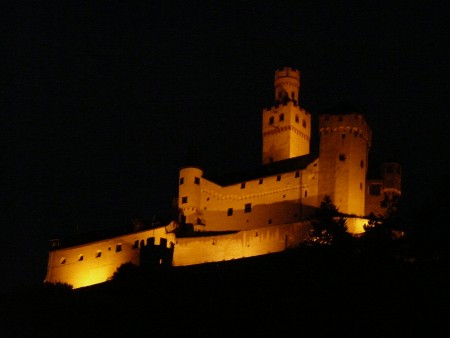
(287, 85)
(286, 127)
(189, 194)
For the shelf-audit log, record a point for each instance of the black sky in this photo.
(104, 100)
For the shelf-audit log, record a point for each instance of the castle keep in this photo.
(251, 213)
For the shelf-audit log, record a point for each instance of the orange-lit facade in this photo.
(265, 210)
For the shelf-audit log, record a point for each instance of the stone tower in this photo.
(343, 155)
(286, 127)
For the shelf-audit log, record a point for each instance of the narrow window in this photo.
(361, 164)
(297, 174)
(181, 180)
(260, 181)
(355, 134)
(118, 247)
(296, 118)
(242, 185)
(293, 95)
(281, 117)
(306, 193)
(278, 177)
(230, 212)
(99, 254)
(184, 199)
(63, 260)
(248, 207)
(304, 123)
(341, 157)
(80, 258)
(375, 189)
(197, 180)
(271, 120)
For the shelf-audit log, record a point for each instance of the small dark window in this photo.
(99, 254)
(375, 189)
(118, 247)
(242, 185)
(355, 133)
(304, 123)
(197, 180)
(230, 212)
(281, 117)
(63, 260)
(271, 120)
(136, 244)
(297, 173)
(181, 180)
(306, 193)
(269, 221)
(80, 258)
(361, 164)
(293, 95)
(248, 207)
(341, 157)
(184, 199)
(278, 177)
(343, 136)
(296, 118)
(260, 181)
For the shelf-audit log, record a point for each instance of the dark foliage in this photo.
(329, 226)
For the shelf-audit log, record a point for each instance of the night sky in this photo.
(104, 101)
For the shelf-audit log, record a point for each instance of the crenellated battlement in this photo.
(287, 72)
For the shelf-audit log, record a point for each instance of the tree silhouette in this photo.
(329, 227)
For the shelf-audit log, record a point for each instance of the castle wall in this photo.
(96, 262)
(249, 243)
(272, 200)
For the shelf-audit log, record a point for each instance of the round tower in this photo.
(189, 193)
(392, 177)
(344, 147)
(287, 85)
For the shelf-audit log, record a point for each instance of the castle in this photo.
(251, 213)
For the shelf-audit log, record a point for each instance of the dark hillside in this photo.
(309, 292)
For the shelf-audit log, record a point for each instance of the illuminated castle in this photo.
(252, 213)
